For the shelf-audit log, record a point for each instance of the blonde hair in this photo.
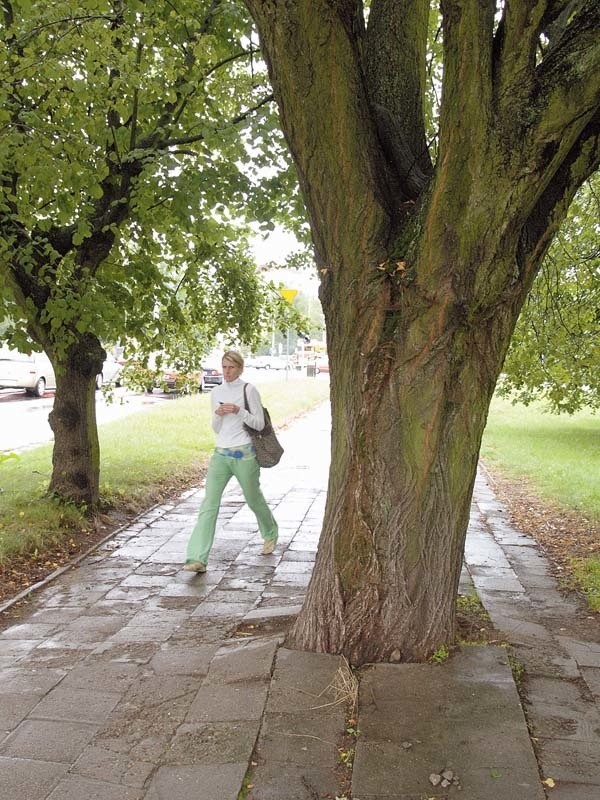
(233, 355)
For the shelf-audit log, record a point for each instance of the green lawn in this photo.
(558, 454)
(144, 457)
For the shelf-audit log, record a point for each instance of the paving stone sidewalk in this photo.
(553, 638)
(129, 679)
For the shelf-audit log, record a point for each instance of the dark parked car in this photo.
(212, 376)
(174, 380)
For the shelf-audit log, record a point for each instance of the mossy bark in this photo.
(423, 273)
(76, 454)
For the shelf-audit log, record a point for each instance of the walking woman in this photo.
(233, 456)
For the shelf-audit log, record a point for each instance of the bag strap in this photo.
(246, 399)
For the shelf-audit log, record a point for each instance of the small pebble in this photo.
(435, 779)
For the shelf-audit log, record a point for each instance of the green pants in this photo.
(220, 470)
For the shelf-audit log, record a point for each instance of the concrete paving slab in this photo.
(297, 752)
(495, 581)
(301, 681)
(570, 761)
(277, 780)
(577, 722)
(54, 657)
(124, 653)
(267, 611)
(591, 675)
(519, 630)
(74, 787)
(76, 705)
(210, 610)
(145, 581)
(246, 660)
(18, 647)
(88, 628)
(42, 740)
(416, 720)
(183, 659)
(102, 763)
(31, 630)
(198, 781)
(14, 708)
(213, 742)
(30, 681)
(587, 654)
(56, 616)
(25, 779)
(301, 739)
(575, 791)
(108, 677)
(143, 633)
(559, 692)
(384, 770)
(239, 701)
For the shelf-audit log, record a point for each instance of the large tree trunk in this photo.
(423, 273)
(409, 407)
(76, 454)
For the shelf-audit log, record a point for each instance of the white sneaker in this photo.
(268, 547)
(195, 566)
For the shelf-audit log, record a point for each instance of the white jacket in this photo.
(230, 428)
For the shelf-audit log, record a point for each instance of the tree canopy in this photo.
(555, 351)
(126, 129)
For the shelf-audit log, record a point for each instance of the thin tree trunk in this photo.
(76, 454)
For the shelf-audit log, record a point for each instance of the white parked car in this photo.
(268, 362)
(111, 369)
(30, 371)
(34, 372)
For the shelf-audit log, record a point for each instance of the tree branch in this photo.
(180, 140)
(467, 89)
(516, 42)
(568, 78)
(551, 208)
(83, 18)
(395, 70)
(559, 94)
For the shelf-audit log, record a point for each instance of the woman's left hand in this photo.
(227, 408)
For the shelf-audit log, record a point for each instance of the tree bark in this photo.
(76, 453)
(422, 278)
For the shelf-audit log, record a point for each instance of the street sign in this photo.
(288, 294)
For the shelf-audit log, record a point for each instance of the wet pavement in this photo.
(554, 640)
(128, 679)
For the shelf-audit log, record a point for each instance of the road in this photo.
(24, 419)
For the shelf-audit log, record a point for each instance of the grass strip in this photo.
(558, 458)
(558, 455)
